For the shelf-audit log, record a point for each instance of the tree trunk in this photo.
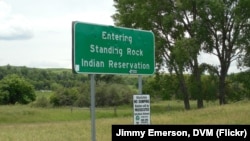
(222, 87)
(199, 90)
(184, 92)
(198, 85)
(200, 103)
(222, 84)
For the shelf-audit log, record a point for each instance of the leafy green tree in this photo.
(240, 84)
(225, 29)
(173, 23)
(83, 99)
(210, 87)
(15, 89)
(161, 87)
(113, 94)
(245, 61)
(64, 97)
(186, 14)
(184, 28)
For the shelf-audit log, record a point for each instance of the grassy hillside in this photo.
(24, 123)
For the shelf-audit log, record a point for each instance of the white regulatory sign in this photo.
(141, 104)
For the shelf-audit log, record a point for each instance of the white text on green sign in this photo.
(109, 49)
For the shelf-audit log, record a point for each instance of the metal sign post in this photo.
(92, 108)
(140, 84)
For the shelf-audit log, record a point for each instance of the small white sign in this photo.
(141, 104)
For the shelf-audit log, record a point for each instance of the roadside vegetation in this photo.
(26, 123)
(60, 88)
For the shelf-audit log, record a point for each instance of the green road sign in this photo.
(99, 49)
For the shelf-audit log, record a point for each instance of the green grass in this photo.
(25, 123)
(235, 113)
(27, 114)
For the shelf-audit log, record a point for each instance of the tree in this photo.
(173, 23)
(185, 28)
(225, 30)
(14, 88)
(242, 79)
(64, 97)
(161, 86)
(245, 60)
(108, 94)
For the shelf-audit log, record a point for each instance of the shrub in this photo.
(14, 88)
(41, 102)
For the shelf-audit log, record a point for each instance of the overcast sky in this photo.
(37, 33)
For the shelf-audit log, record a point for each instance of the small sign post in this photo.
(141, 109)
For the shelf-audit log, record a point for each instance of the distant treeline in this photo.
(111, 90)
(48, 79)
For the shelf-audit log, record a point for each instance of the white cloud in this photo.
(4, 9)
(47, 25)
(13, 27)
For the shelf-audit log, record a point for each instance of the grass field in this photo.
(25, 123)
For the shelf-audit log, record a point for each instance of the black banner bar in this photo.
(183, 132)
